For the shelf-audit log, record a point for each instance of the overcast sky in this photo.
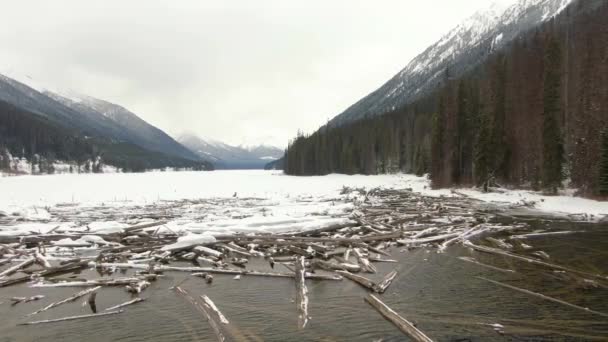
(236, 71)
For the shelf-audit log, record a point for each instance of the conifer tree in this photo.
(483, 143)
(603, 181)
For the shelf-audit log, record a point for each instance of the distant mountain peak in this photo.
(229, 156)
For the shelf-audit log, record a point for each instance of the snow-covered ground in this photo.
(217, 202)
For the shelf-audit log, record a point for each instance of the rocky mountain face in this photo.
(226, 156)
(461, 50)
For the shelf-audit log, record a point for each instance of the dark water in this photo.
(439, 292)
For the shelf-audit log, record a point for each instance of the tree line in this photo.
(533, 115)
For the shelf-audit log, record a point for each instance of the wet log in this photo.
(71, 318)
(301, 293)
(92, 303)
(403, 324)
(67, 300)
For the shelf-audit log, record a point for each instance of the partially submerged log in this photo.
(540, 295)
(403, 324)
(71, 318)
(202, 309)
(530, 260)
(132, 301)
(301, 293)
(365, 282)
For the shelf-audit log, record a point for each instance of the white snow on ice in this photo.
(221, 202)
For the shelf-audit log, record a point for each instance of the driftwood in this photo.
(404, 325)
(246, 272)
(133, 301)
(17, 300)
(301, 293)
(365, 282)
(540, 295)
(71, 318)
(95, 282)
(333, 266)
(17, 267)
(48, 272)
(67, 300)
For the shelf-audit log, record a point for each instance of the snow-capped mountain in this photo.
(226, 156)
(463, 48)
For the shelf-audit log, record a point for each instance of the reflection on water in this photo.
(439, 292)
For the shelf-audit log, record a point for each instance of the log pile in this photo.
(385, 220)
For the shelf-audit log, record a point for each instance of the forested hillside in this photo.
(532, 115)
(42, 142)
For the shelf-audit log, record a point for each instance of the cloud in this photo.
(230, 70)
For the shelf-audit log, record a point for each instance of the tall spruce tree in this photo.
(553, 150)
(603, 181)
(483, 149)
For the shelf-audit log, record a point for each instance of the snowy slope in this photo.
(463, 48)
(231, 157)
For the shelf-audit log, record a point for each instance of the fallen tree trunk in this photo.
(404, 325)
(301, 293)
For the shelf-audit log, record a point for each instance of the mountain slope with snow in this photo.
(459, 51)
(226, 156)
(126, 125)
